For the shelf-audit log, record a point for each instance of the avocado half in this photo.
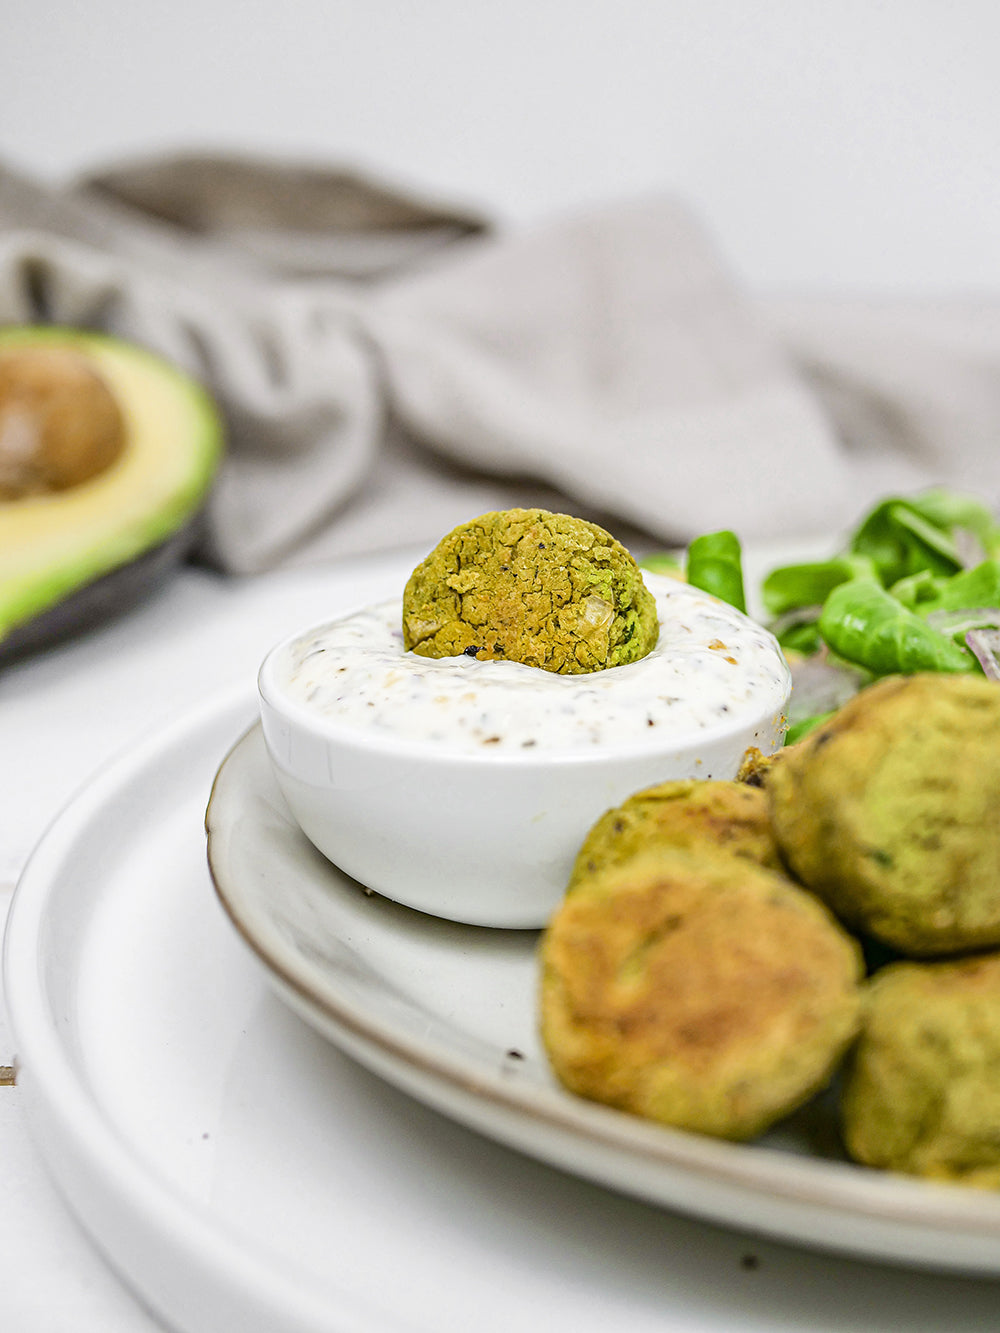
(74, 555)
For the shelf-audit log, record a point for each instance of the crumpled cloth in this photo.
(389, 366)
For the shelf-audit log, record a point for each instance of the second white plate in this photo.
(447, 1013)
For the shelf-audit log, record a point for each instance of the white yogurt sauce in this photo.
(711, 666)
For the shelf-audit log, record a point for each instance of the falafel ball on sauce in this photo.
(703, 992)
(530, 586)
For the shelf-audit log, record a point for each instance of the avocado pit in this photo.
(60, 424)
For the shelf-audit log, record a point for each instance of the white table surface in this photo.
(63, 714)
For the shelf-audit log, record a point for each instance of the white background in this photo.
(830, 146)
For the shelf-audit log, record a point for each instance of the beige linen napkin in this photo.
(388, 366)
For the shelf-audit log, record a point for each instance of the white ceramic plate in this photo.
(448, 1014)
(241, 1173)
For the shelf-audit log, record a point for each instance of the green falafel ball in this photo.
(689, 814)
(922, 1095)
(701, 991)
(527, 585)
(888, 812)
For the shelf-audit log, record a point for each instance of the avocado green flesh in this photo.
(108, 596)
(53, 546)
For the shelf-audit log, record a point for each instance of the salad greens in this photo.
(881, 604)
(715, 564)
(863, 623)
(916, 588)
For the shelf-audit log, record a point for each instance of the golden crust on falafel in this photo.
(707, 993)
(527, 585)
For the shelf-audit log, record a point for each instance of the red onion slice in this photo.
(985, 645)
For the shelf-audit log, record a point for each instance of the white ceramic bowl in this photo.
(483, 836)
